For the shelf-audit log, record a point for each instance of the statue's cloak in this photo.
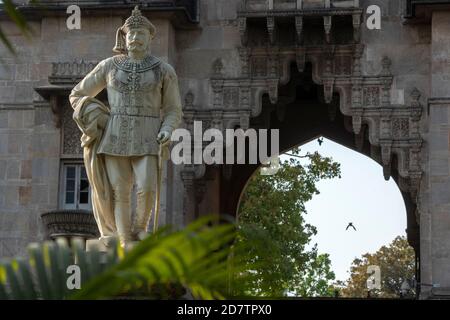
(101, 191)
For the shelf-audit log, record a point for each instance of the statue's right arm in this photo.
(82, 97)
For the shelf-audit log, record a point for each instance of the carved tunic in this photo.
(143, 100)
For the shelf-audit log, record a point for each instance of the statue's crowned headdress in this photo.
(136, 20)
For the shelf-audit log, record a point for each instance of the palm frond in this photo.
(19, 20)
(196, 258)
(202, 260)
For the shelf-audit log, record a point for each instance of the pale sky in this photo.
(362, 196)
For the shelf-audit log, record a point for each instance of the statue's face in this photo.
(138, 40)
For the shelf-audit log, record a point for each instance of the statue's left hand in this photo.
(163, 137)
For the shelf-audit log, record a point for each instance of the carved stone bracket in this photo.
(244, 54)
(300, 57)
(356, 18)
(242, 23)
(189, 116)
(272, 85)
(386, 157)
(299, 29)
(272, 29)
(357, 122)
(328, 85)
(217, 116)
(327, 24)
(217, 86)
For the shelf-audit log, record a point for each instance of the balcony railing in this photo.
(299, 13)
(69, 224)
(263, 5)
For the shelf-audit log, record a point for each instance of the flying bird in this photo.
(350, 225)
(320, 141)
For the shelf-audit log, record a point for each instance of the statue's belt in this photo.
(136, 112)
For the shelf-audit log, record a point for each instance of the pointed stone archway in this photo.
(299, 75)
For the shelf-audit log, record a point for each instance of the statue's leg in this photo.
(145, 173)
(120, 175)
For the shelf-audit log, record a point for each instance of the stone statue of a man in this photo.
(122, 141)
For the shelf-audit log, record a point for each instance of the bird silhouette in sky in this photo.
(320, 141)
(350, 225)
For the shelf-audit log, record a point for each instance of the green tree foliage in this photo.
(271, 218)
(396, 262)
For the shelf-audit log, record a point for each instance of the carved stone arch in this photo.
(285, 69)
(402, 162)
(256, 108)
(345, 98)
(373, 128)
(316, 77)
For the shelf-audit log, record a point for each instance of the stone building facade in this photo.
(306, 67)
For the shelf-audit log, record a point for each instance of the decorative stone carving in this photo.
(259, 67)
(371, 97)
(218, 68)
(300, 57)
(386, 157)
(299, 28)
(216, 122)
(244, 119)
(386, 64)
(217, 87)
(357, 54)
(244, 94)
(71, 134)
(357, 123)
(231, 98)
(70, 72)
(272, 85)
(343, 66)
(393, 132)
(189, 100)
(327, 23)
(244, 54)
(415, 96)
(356, 19)
(272, 29)
(400, 128)
(273, 62)
(188, 116)
(242, 23)
(328, 89)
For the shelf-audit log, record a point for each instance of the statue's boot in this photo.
(144, 206)
(122, 214)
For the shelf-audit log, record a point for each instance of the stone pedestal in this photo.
(95, 244)
(100, 245)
